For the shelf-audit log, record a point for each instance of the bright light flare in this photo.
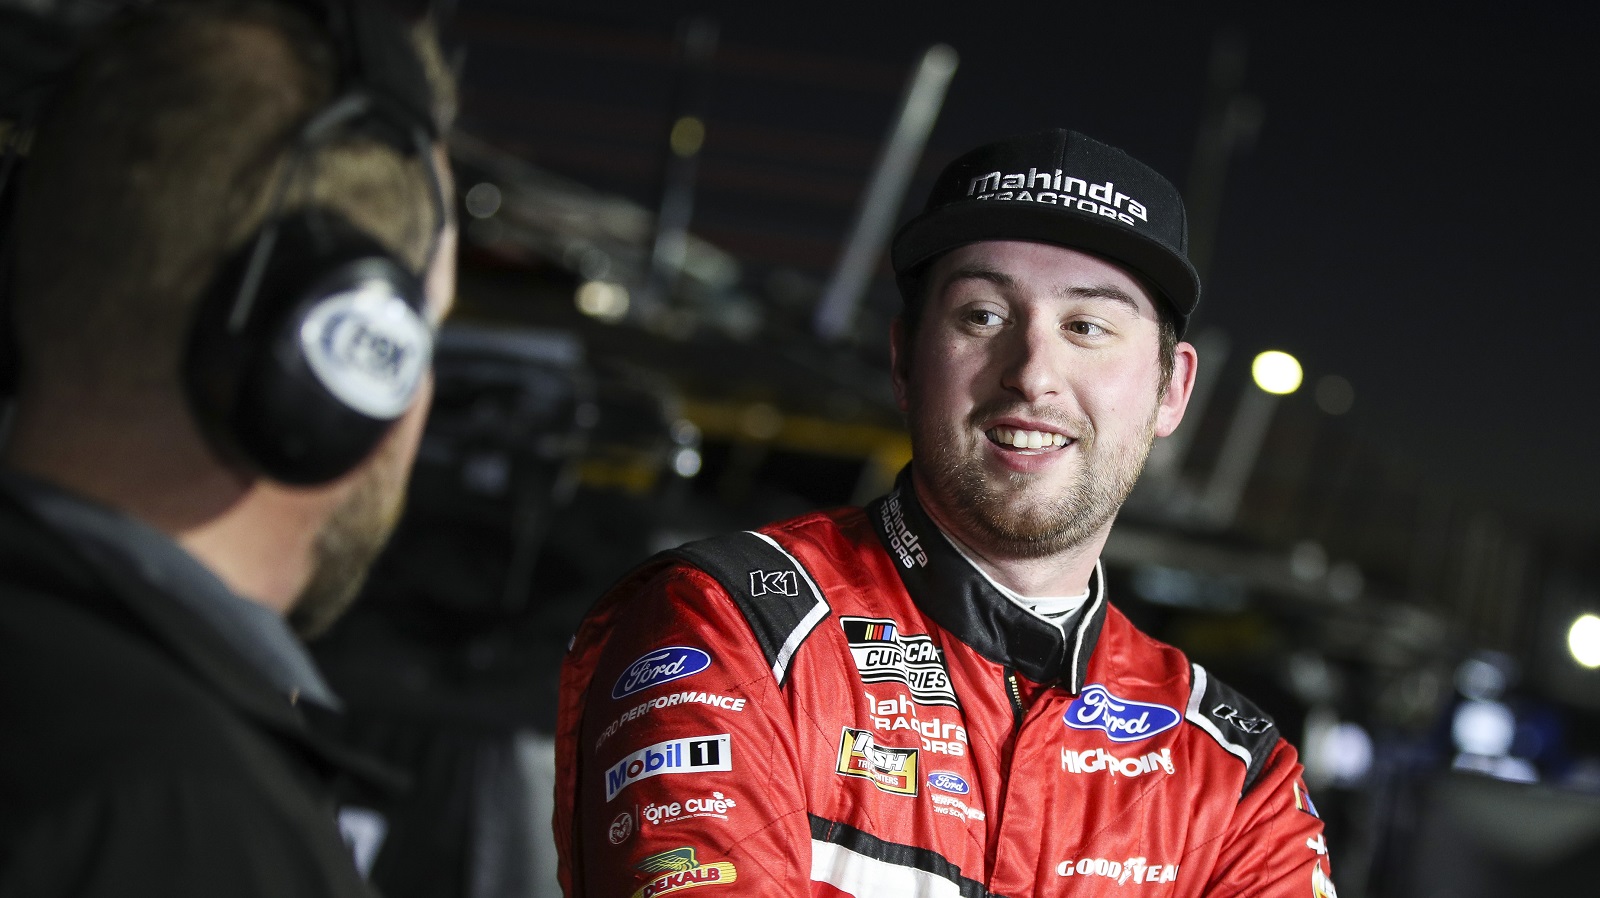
(1277, 372)
(1583, 640)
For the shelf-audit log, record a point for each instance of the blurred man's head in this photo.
(160, 157)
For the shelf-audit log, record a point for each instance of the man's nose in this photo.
(1032, 364)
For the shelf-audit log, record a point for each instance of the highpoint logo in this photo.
(1097, 759)
(1060, 190)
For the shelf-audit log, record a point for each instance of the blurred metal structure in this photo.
(880, 205)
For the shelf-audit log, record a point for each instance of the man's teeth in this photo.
(1027, 439)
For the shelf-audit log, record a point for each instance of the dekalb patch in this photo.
(945, 781)
(679, 869)
(892, 770)
(692, 755)
(1124, 720)
(660, 666)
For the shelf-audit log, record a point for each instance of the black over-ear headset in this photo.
(312, 339)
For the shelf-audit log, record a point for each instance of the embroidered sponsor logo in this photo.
(726, 703)
(1252, 725)
(660, 666)
(780, 583)
(1302, 800)
(695, 754)
(1059, 189)
(715, 805)
(1096, 760)
(621, 828)
(1317, 843)
(952, 806)
(885, 655)
(1136, 870)
(892, 770)
(900, 713)
(906, 546)
(679, 869)
(1122, 719)
(1321, 885)
(945, 781)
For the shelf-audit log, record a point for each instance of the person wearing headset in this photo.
(231, 248)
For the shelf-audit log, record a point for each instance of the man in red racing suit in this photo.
(856, 702)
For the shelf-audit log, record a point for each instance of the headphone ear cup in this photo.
(332, 350)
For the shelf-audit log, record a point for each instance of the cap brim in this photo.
(938, 232)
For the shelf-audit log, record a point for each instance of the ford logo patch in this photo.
(945, 781)
(1123, 720)
(660, 666)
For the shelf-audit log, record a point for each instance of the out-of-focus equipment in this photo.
(312, 340)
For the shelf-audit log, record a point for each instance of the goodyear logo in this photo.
(892, 770)
(679, 869)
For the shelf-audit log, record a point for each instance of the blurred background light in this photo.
(1583, 640)
(1276, 372)
(1334, 394)
(483, 200)
(604, 300)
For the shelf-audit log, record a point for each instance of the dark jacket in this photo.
(139, 754)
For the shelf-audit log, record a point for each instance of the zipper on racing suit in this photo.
(1014, 690)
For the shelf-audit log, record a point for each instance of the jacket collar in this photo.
(959, 598)
(35, 555)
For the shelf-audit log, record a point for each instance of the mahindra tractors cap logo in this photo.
(660, 666)
(1124, 720)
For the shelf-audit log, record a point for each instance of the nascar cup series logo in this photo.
(1122, 719)
(885, 655)
(660, 666)
(369, 348)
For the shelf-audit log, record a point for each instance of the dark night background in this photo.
(1416, 214)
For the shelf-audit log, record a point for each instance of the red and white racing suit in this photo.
(840, 704)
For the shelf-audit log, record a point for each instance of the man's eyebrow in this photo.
(979, 273)
(1103, 291)
(1007, 282)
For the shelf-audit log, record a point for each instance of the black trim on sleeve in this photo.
(774, 592)
(1239, 726)
(846, 836)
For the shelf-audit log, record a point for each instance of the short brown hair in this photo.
(156, 162)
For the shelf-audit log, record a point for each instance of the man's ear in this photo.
(1179, 388)
(899, 360)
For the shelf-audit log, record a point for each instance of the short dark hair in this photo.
(155, 163)
(915, 284)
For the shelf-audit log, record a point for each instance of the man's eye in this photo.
(983, 317)
(1086, 328)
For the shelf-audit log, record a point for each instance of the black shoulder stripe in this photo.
(780, 601)
(886, 868)
(1240, 727)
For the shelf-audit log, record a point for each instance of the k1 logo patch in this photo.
(778, 583)
(1124, 720)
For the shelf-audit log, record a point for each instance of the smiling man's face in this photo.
(1033, 390)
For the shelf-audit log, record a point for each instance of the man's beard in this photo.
(1006, 513)
(349, 542)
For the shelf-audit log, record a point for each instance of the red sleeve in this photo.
(1275, 849)
(675, 752)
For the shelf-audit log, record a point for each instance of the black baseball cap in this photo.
(1060, 187)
